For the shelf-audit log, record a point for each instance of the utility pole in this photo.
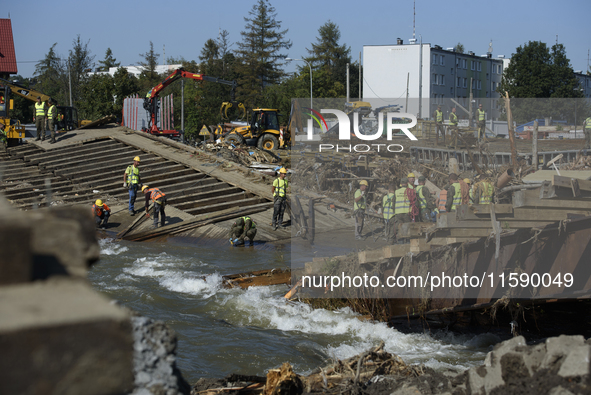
(359, 75)
(421, 76)
(407, 80)
(470, 104)
(182, 110)
(348, 83)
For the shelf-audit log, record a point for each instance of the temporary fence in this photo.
(137, 118)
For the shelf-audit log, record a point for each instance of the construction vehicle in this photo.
(67, 117)
(11, 131)
(262, 131)
(151, 102)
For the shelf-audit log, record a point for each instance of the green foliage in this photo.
(80, 62)
(537, 72)
(459, 48)
(51, 76)
(98, 94)
(260, 60)
(109, 61)
(149, 77)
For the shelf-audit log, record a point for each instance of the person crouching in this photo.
(158, 198)
(101, 213)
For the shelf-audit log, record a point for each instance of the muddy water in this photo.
(224, 331)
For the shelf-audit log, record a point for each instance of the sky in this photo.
(180, 28)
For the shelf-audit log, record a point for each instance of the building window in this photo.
(459, 82)
(442, 60)
(441, 79)
(500, 69)
(451, 71)
(479, 66)
(479, 85)
(465, 82)
(494, 85)
(434, 77)
(451, 91)
(434, 59)
(473, 84)
(472, 65)
(465, 64)
(458, 62)
(487, 76)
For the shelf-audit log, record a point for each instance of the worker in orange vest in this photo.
(159, 199)
(101, 213)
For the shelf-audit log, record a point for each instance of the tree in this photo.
(459, 48)
(329, 59)
(124, 85)
(537, 72)
(260, 60)
(51, 76)
(149, 76)
(80, 63)
(109, 61)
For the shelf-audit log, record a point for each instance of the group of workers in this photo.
(45, 117)
(132, 182)
(453, 122)
(407, 202)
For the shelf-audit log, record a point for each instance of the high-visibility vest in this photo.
(39, 109)
(360, 205)
(133, 174)
(457, 198)
(252, 224)
(439, 115)
(402, 205)
(453, 119)
(280, 187)
(156, 195)
(481, 115)
(388, 205)
(51, 112)
(487, 192)
(421, 198)
(442, 201)
(98, 210)
(588, 123)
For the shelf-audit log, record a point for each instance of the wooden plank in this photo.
(396, 251)
(566, 182)
(531, 199)
(439, 241)
(524, 214)
(257, 278)
(449, 222)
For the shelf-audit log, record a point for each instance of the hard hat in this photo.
(144, 187)
(282, 170)
(467, 181)
(363, 182)
(99, 202)
(136, 159)
(411, 175)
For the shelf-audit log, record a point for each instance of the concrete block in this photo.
(395, 251)
(370, 256)
(533, 357)
(62, 337)
(494, 357)
(576, 362)
(16, 258)
(559, 347)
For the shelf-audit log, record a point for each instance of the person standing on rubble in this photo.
(481, 122)
(402, 206)
(388, 202)
(243, 227)
(39, 119)
(279, 192)
(424, 200)
(454, 193)
(453, 122)
(132, 181)
(438, 115)
(587, 130)
(483, 191)
(359, 207)
(101, 213)
(411, 180)
(158, 198)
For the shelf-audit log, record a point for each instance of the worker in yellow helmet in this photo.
(411, 180)
(132, 181)
(359, 207)
(158, 198)
(279, 192)
(101, 213)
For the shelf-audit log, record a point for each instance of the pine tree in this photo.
(109, 61)
(51, 76)
(149, 76)
(80, 63)
(260, 60)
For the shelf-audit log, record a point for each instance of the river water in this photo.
(223, 331)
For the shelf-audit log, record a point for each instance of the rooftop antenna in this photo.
(164, 52)
(414, 14)
(490, 48)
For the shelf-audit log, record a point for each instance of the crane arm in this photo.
(27, 93)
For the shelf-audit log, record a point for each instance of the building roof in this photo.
(7, 54)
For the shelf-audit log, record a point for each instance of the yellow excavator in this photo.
(262, 130)
(11, 131)
(67, 117)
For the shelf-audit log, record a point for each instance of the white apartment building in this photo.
(433, 74)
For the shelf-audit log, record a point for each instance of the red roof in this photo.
(7, 55)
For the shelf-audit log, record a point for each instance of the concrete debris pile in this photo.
(558, 366)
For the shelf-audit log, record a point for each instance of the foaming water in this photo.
(224, 331)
